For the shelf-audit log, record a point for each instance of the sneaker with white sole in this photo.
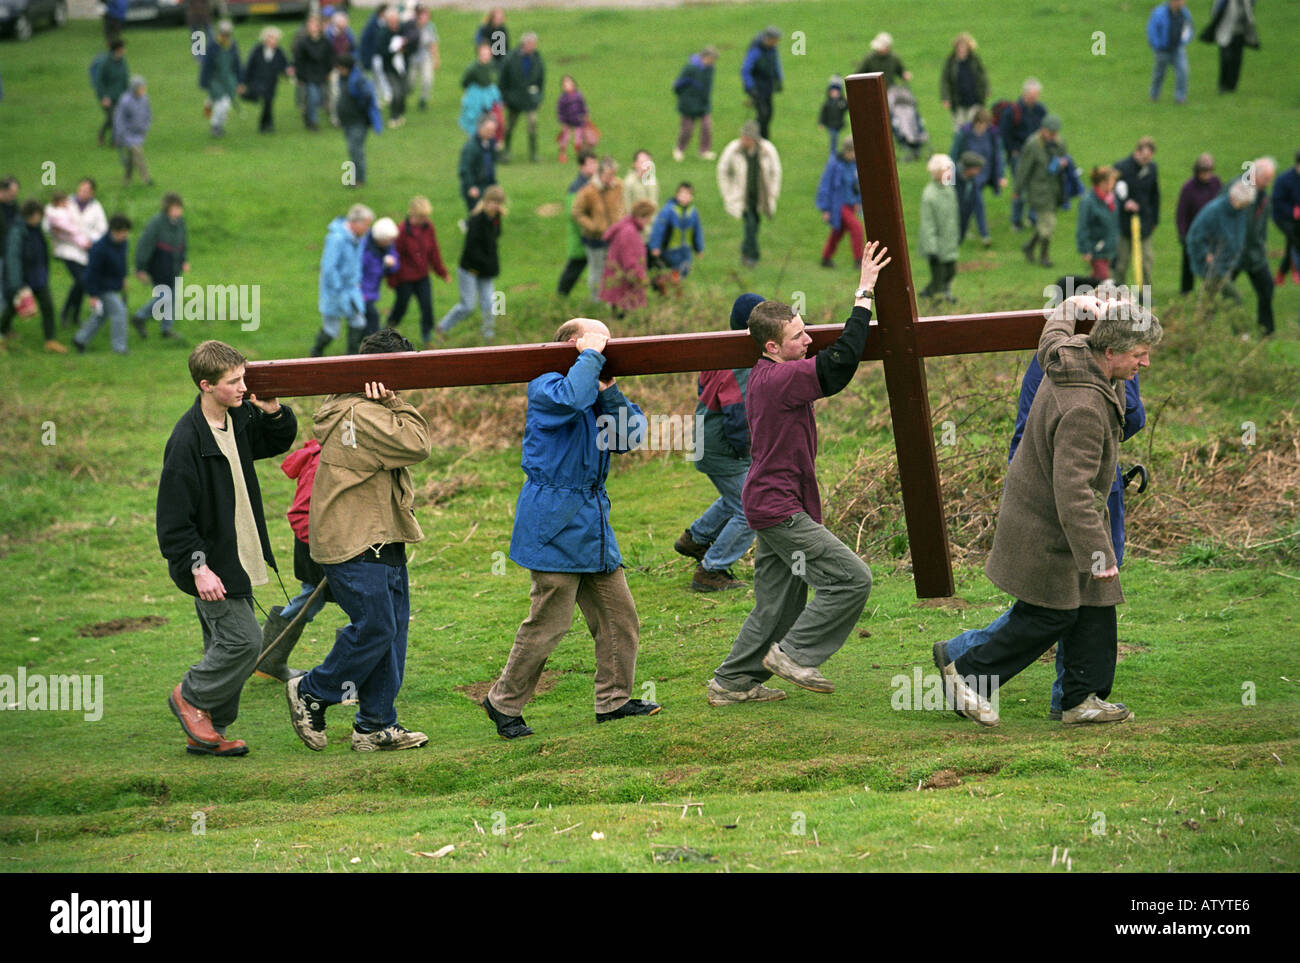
(718, 696)
(1093, 709)
(394, 737)
(804, 676)
(964, 700)
(307, 715)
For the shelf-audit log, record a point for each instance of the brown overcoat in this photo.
(1053, 528)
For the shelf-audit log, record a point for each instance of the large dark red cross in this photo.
(900, 339)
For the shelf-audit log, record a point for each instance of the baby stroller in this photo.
(905, 118)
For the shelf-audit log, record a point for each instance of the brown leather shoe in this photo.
(225, 748)
(196, 723)
(689, 547)
(706, 581)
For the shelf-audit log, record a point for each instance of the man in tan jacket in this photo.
(1052, 549)
(749, 180)
(596, 208)
(360, 521)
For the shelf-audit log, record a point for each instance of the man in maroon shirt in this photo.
(784, 635)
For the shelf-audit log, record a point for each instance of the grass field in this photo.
(1204, 779)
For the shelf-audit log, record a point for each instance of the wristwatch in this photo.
(868, 293)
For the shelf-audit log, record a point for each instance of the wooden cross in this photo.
(900, 339)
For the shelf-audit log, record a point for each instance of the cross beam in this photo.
(900, 339)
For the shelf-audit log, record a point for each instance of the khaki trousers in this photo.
(607, 606)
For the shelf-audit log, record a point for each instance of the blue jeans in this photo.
(471, 287)
(168, 318)
(332, 323)
(1178, 60)
(368, 660)
(723, 525)
(299, 600)
(112, 309)
(313, 97)
(975, 637)
(679, 259)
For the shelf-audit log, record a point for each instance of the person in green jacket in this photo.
(940, 232)
(882, 59)
(963, 82)
(1097, 233)
(220, 75)
(1038, 183)
(110, 75)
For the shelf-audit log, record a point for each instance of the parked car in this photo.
(19, 17)
(165, 11)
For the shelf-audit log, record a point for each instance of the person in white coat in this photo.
(749, 179)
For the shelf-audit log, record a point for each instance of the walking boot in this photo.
(354, 339)
(1044, 259)
(275, 666)
(322, 342)
(1028, 249)
(532, 147)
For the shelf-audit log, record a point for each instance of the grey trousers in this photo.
(791, 557)
(607, 606)
(232, 641)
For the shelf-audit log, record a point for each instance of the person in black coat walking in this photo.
(265, 66)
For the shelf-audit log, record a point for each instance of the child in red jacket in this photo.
(417, 255)
(300, 465)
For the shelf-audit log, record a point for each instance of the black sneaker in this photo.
(81, 348)
(137, 322)
(632, 707)
(307, 715)
(508, 727)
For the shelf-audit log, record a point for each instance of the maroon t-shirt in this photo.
(783, 437)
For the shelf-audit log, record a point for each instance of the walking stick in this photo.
(1135, 241)
(295, 621)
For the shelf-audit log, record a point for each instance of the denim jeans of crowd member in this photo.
(722, 526)
(1164, 60)
(749, 243)
(168, 319)
(472, 288)
(355, 135)
(368, 660)
(304, 599)
(220, 111)
(313, 97)
(111, 309)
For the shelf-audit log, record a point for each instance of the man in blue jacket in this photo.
(104, 280)
(563, 537)
(1135, 417)
(1169, 31)
(761, 75)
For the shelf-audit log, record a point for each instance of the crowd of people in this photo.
(353, 516)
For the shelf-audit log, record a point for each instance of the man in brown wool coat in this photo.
(1052, 549)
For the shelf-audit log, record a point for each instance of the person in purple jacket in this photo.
(104, 281)
(784, 635)
(571, 111)
(378, 258)
(1201, 188)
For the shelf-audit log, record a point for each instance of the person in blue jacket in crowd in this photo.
(1169, 31)
(1135, 417)
(761, 76)
(562, 533)
(103, 281)
(340, 298)
(839, 199)
(678, 222)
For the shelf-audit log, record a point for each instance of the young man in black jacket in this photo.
(213, 535)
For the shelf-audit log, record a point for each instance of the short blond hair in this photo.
(420, 205)
(212, 359)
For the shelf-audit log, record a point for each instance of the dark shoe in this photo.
(508, 727)
(827, 263)
(394, 737)
(1028, 249)
(706, 581)
(322, 342)
(196, 723)
(307, 716)
(632, 707)
(173, 337)
(81, 348)
(1054, 715)
(355, 337)
(224, 748)
(137, 322)
(1044, 259)
(689, 547)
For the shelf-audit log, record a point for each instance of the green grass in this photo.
(1199, 781)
